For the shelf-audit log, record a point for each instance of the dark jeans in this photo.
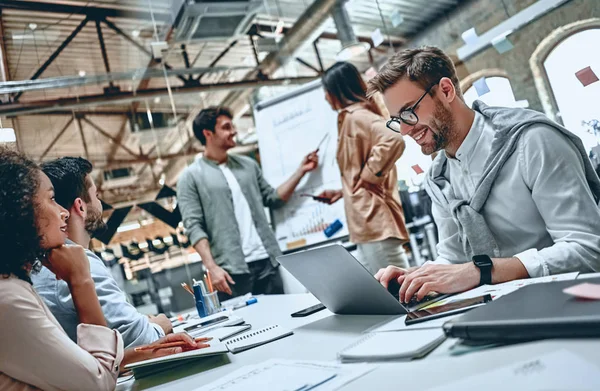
(263, 279)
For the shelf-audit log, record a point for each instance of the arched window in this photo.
(495, 91)
(554, 64)
(577, 104)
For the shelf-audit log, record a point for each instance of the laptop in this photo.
(536, 311)
(340, 282)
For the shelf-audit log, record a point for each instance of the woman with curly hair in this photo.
(35, 351)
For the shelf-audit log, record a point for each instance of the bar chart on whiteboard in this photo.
(289, 127)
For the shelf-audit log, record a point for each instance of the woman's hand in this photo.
(154, 350)
(70, 263)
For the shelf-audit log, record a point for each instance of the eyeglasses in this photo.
(408, 116)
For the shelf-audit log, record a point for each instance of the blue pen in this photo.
(245, 303)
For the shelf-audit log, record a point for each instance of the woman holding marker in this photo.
(367, 153)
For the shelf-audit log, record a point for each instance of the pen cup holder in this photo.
(212, 304)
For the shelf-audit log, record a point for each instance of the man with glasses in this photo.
(514, 194)
(222, 198)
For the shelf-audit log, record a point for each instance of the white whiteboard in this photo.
(289, 127)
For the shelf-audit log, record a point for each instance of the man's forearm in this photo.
(203, 248)
(507, 269)
(287, 188)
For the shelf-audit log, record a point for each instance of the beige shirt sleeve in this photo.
(36, 351)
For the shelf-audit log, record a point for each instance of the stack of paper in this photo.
(560, 370)
(285, 375)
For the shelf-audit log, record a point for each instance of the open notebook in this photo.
(146, 367)
(398, 345)
(256, 338)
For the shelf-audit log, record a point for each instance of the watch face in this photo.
(482, 260)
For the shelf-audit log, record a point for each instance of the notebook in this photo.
(256, 338)
(146, 367)
(224, 333)
(398, 345)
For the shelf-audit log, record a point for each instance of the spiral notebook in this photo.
(398, 345)
(256, 338)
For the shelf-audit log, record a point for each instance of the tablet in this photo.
(423, 315)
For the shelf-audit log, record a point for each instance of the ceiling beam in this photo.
(110, 137)
(23, 108)
(396, 41)
(94, 13)
(55, 54)
(103, 113)
(58, 135)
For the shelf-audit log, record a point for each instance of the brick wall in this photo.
(485, 14)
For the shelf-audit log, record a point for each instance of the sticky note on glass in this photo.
(417, 169)
(377, 38)
(584, 291)
(396, 18)
(370, 73)
(481, 86)
(470, 36)
(502, 44)
(586, 76)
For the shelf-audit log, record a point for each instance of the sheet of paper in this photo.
(585, 276)
(559, 370)
(377, 37)
(398, 324)
(529, 281)
(470, 36)
(584, 291)
(290, 375)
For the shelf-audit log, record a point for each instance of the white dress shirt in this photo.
(540, 208)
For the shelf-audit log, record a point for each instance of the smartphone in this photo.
(316, 198)
(206, 323)
(423, 315)
(308, 311)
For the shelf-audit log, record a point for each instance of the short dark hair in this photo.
(69, 177)
(207, 119)
(19, 237)
(425, 66)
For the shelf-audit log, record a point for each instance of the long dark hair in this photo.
(19, 239)
(346, 86)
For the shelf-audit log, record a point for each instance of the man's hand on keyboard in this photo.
(384, 276)
(437, 278)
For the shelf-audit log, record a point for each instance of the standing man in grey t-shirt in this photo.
(222, 198)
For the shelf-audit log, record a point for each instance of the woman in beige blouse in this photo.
(367, 153)
(35, 352)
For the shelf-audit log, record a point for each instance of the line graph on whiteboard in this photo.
(288, 130)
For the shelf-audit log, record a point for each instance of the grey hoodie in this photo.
(509, 123)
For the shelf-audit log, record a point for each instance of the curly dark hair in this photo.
(207, 119)
(19, 239)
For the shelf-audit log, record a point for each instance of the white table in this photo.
(321, 335)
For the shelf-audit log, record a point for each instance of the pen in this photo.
(321, 142)
(245, 303)
(173, 344)
(209, 282)
(187, 288)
